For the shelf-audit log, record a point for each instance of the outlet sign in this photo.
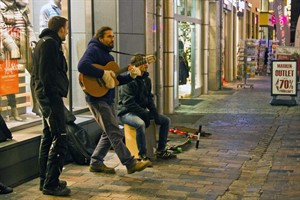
(284, 77)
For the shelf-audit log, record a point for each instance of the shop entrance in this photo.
(184, 59)
(188, 59)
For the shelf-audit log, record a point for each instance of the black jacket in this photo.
(136, 97)
(50, 73)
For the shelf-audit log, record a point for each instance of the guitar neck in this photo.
(121, 70)
(148, 59)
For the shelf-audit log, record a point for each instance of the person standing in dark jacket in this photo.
(51, 85)
(98, 52)
(136, 108)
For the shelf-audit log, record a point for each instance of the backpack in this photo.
(4, 131)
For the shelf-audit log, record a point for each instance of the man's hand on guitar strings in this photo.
(134, 71)
(107, 77)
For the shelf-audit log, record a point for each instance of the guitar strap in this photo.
(128, 54)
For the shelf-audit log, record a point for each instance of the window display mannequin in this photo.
(18, 36)
(51, 9)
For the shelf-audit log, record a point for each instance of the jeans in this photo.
(136, 122)
(112, 136)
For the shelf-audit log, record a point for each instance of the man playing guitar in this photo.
(102, 106)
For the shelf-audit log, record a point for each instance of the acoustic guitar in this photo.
(96, 86)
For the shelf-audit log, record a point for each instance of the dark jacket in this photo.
(50, 73)
(98, 53)
(136, 97)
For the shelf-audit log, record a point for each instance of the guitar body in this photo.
(96, 86)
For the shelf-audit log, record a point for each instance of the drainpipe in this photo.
(219, 76)
(70, 58)
(159, 68)
(205, 41)
(168, 69)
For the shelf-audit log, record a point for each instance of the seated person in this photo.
(136, 107)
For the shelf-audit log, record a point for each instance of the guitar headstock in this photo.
(146, 59)
(150, 59)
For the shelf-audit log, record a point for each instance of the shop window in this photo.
(264, 6)
(21, 23)
(186, 7)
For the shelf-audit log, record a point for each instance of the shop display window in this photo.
(264, 5)
(186, 7)
(21, 22)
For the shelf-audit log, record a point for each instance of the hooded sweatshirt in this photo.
(98, 53)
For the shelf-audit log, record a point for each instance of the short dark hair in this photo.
(101, 31)
(57, 22)
(136, 58)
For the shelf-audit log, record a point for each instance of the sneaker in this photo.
(62, 183)
(165, 155)
(138, 166)
(144, 158)
(102, 168)
(4, 189)
(57, 191)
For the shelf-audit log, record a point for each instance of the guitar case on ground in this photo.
(80, 143)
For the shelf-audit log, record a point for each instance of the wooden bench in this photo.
(151, 143)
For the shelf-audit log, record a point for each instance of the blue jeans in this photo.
(136, 122)
(112, 136)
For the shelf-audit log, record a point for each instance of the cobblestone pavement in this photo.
(253, 153)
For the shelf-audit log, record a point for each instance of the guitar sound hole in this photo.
(100, 82)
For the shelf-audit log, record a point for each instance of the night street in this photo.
(253, 153)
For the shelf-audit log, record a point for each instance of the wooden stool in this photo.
(130, 139)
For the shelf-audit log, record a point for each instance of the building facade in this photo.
(195, 43)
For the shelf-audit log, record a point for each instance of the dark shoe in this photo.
(165, 155)
(144, 158)
(138, 166)
(57, 191)
(62, 183)
(4, 189)
(102, 168)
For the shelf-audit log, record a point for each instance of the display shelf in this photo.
(247, 61)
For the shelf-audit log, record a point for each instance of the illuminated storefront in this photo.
(187, 40)
(21, 23)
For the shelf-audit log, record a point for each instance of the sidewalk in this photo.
(253, 153)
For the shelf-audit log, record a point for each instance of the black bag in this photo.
(69, 117)
(4, 131)
(79, 144)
